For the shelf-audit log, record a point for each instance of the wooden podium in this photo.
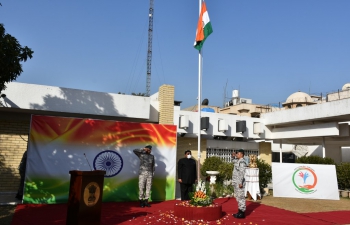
(85, 197)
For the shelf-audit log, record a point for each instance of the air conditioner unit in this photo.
(223, 126)
(204, 123)
(241, 126)
(257, 128)
(184, 122)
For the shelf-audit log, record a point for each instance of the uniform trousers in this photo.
(240, 197)
(145, 182)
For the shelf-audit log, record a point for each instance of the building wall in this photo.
(338, 95)
(246, 109)
(346, 154)
(334, 152)
(166, 104)
(312, 112)
(13, 143)
(265, 152)
(296, 105)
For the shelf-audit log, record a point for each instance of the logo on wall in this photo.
(109, 161)
(305, 180)
(91, 194)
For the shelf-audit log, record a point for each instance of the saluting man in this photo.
(146, 173)
(239, 182)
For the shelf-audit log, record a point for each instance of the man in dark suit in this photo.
(187, 174)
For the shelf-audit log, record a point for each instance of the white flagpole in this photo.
(200, 60)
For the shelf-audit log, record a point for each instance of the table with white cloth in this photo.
(252, 183)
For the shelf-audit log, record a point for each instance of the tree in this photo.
(11, 56)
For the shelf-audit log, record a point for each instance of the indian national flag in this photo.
(204, 28)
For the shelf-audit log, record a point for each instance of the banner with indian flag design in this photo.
(59, 144)
(204, 28)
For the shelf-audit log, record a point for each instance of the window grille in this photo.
(225, 154)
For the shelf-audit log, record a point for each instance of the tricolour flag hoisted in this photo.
(204, 28)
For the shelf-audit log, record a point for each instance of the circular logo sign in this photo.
(91, 194)
(109, 161)
(305, 180)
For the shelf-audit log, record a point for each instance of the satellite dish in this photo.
(205, 101)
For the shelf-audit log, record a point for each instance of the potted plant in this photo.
(200, 197)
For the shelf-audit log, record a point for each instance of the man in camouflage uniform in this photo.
(146, 173)
(239, 181)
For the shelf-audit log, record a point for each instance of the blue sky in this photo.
(268, 49)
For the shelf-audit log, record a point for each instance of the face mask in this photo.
(189, 156)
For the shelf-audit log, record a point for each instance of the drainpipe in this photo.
(280, 150)
(323, 147)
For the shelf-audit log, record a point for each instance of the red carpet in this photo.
(128, 213)
(337, 217)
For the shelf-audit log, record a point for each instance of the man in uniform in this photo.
(146, 173)
(239, 182)
(186, 174)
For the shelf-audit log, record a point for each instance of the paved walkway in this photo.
(8, 198)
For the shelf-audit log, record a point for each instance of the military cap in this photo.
(241, 151)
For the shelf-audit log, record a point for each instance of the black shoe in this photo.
(240, 215)
(146, 203)
(142, 203)
(234, 215)
(19, 197)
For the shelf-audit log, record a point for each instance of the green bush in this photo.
(211, 164)
(314, 159)
(265, 174)
(225, 170)
(222, 190)
(343, 175)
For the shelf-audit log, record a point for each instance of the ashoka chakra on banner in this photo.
(110, 161)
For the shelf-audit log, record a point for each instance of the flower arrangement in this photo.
(199, 197)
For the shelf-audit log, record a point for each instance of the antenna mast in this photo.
(149, 50)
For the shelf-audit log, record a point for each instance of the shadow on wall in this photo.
(94, 103)
(318, 151)
(6, 170)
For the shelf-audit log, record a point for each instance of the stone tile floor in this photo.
(8, 198)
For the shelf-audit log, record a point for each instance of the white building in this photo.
(320, 128)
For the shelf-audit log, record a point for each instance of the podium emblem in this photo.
(109, 161)
(91, 194)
